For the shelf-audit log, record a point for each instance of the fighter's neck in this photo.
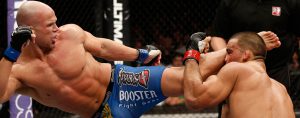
(32, 51)
(260, 60)
(258, 57)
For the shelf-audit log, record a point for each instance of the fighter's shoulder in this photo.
(70, 27)
(235, 66)
(281, 86)
(71, 31)
(234, 70)
(17, 69)
(231, 69)
(22, 69)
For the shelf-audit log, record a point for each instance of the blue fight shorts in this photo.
(135, 90)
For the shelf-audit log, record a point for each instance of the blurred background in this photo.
(166, 24)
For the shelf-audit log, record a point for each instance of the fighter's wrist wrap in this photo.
(191, 54)
(143, 55)
(11, 54)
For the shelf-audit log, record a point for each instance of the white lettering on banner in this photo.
(136, 95)
(118, 21)
(118, 24)
(21, 109)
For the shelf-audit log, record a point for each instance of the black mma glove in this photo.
(194, 46)
(148, 55)
(19, 36)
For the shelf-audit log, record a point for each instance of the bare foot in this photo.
(270, 38)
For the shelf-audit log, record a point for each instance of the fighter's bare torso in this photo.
(256, 96)
(67, 78)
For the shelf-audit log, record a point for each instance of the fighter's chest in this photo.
(67, 63)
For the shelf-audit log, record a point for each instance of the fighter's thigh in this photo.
(172, 81)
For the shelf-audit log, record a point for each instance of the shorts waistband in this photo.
(107, 95)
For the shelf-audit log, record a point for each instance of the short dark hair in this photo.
(251, 41)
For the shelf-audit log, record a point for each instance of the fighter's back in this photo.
(282, 106)
(255, 95)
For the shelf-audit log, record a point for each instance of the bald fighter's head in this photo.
(42, 19)
(30, 12)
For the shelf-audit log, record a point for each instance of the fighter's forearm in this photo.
(5, 69)
(217, 43)
(193, 84)
(112, 50)
(211, 63)
(108, 49)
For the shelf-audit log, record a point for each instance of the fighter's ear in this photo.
(247, 55)
(33, 36)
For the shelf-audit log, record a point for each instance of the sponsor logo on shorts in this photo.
(130, 99)
(134, 79)
(137, 95)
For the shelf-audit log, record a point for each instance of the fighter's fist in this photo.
(196, 42)
(195, 46)
(149, 56)
(154, 56)
(19, 36)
